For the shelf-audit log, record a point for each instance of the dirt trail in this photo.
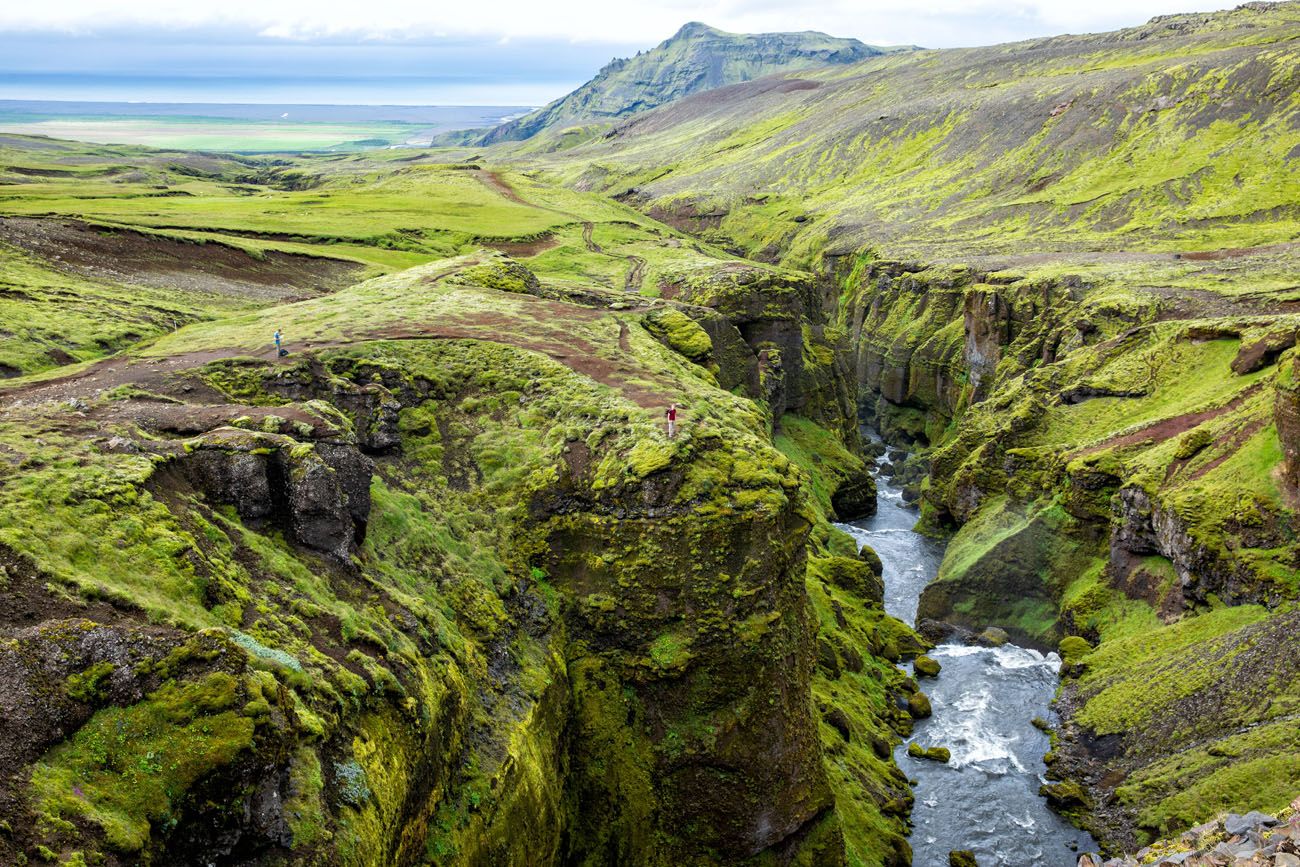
(636, 273)
(495, 182)
(636, 276)
(1170, 427)
(153, 374)
(525, 249)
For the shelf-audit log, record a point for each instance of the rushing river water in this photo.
(986, 799)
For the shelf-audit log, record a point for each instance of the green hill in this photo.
(1178, 135)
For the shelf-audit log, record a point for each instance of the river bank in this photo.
(985, 798)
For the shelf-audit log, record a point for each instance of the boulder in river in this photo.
(918, 705)
(994, 637)
(934, 754)
(924, 666)
(962, 858)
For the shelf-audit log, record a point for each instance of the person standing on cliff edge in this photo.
(671, 415)
(278, 338)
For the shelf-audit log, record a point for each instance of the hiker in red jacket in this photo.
(671, 413)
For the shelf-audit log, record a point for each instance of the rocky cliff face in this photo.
(788, 357)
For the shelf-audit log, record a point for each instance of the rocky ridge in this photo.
(1254, 839)
(696, 58)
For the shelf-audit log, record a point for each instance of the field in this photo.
(219, 134)
(243, 128)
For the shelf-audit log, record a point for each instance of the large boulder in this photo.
(855, 497)
(319, 492)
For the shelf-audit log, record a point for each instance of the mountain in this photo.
(1180, 134)
(696, 58)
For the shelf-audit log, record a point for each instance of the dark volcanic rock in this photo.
(855, 497)
(319, 492)
(1286, 414)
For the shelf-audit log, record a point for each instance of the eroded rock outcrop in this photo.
(319, 491)
(1286, 413)
(542, 630)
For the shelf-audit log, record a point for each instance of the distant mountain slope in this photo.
(1181, 134)
(696, 58)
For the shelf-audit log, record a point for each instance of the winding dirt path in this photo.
(497, 184)
(636, 276)
(618, 371)
(1167, 428)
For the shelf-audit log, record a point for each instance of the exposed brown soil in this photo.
(28, 601)
(1170, 427)
(494, 182)
(125, 256)
(636, 276)
(524, 249)
(1202, 303)
(1238, 440)
(154, 374)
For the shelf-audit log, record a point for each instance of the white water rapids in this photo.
(986, 799)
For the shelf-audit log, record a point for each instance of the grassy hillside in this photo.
(151, 239)
(1180, 135)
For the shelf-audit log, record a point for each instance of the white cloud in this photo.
(928, 22)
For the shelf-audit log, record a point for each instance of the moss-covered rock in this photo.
(924, 666)
(558, 634)
(679, 331)
(1073, 648)
(962, 858)
(932, 754)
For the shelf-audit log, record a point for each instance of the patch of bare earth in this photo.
(125, 256)
(524, 249)
(1168, 428)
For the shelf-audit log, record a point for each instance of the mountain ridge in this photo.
(696, 58)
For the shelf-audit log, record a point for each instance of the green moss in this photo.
(679, 331)
(671, 650)
(1073, 648)
(88, 685)
(933, 754)
(127, 768)
(1129, 679)
(924, 666)
(649, 456)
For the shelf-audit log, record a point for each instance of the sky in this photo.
(427, 52)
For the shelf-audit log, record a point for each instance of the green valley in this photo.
(438, 585)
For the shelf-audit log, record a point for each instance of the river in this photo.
(986, 799)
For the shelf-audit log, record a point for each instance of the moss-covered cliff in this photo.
(1113, 463)
(437, 588)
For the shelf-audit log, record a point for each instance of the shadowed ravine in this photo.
(986, 798)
